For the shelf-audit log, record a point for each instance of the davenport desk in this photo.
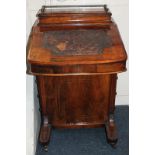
(76, 54)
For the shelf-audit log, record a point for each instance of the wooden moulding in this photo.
(109, 68)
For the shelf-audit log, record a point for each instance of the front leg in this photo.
(111, 131)
(45, 132)
(110, 125)
(45, 129)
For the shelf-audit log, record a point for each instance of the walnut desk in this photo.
(76, 56)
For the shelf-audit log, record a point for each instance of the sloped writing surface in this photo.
(76, 42)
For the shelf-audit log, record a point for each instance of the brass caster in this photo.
(113, 144)
(45, 148)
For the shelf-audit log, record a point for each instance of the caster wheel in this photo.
(113, 145)
(46, 148)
